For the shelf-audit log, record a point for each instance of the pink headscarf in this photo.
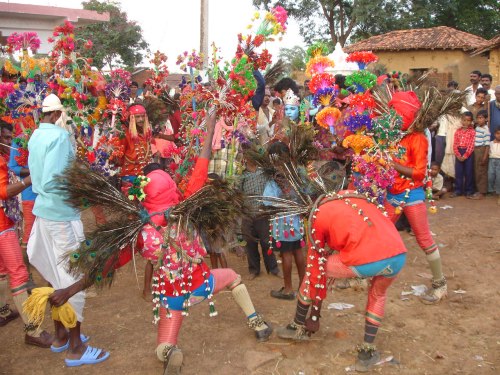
(161, 194)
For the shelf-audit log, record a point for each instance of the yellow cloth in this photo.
(34, 307)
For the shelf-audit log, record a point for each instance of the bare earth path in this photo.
(459, 336)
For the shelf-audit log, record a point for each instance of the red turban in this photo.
(407, 105)
(137, 109)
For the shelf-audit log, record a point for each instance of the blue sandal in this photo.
(59, 349)
(90, 357)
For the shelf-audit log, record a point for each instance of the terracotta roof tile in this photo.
(489, 45)
(441, 37)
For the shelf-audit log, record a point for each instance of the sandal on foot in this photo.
(59, 349)
(280, 294)
(292, 331)
(173, 361)
(90, 357)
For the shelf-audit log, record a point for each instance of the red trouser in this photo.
(11, 262)
(168, 328)
(28, 220)
(417, 217)
(377, 293)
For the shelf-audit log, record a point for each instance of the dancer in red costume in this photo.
(182, 279)
(367, 245)
(137, 144)
(407, 193)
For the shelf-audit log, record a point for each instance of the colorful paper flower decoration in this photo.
(362, 80)
(23, 41)
(362, 58)
(325, 96)
(358, 142)
(318, 65)
(362, 102)
(317, 49)
(358, 121)
(321, 81)
(327, 117)
(274, 22)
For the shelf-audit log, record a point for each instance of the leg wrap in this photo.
(168, 328)
(417, 216)
(301, 313)
(12, 263)
(377, 295)
(28, 220)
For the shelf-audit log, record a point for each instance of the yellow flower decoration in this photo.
(358, 142)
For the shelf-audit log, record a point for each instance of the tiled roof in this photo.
(489, 45)
(441, 37)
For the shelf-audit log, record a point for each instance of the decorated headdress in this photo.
(407, 105)
(138, 109)
(290, 98)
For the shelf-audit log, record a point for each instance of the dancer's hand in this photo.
(312, 326)
(59, 297)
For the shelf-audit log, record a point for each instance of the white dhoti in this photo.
(48, 243)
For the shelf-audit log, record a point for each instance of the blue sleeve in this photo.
(57, 157)
(13, 166)
(271, 190)
(258, 96)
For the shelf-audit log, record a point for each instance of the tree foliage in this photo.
(294, 58)
(118, 41)
(350, 20)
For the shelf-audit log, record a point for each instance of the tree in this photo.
(118, 41)
(294, 58)
(350, 20)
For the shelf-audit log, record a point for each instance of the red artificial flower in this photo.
(364, 57)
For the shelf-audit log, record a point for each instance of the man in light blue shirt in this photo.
(57, 230)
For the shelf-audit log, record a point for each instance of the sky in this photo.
(172, 26)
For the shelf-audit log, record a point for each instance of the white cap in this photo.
(51, 103)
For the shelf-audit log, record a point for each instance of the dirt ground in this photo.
(458, 336)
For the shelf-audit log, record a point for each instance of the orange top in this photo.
(136, 155)
(415, 157)
(5, 222)
(340, 227)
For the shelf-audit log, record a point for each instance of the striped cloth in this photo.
(28, 220)
(12, 263)
(482, 136)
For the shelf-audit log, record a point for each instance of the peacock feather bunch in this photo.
(214, 209)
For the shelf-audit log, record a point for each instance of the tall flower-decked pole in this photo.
(231, 89)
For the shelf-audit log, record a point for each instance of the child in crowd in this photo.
(277, 106)
(494, 165)
(463, 148)
(287, 234)
(438, 190)
(481, 148)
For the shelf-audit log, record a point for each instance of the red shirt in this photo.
(136, 155)
(464, 138)
(339, 226)
(5, 222)
(415, 157)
